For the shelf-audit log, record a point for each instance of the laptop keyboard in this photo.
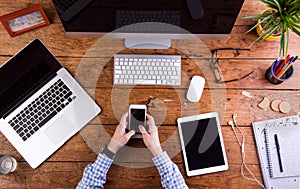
(42, 109)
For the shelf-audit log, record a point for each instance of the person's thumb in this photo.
(130, 134)
(142, 129)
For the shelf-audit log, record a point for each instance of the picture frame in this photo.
(25, 20)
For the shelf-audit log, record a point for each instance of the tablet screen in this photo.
(202, 143)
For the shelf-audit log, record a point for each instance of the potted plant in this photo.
(280, 17)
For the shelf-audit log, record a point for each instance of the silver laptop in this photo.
(41, 104)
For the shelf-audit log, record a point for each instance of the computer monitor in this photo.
(207, 19)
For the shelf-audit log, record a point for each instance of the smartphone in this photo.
(137, 117)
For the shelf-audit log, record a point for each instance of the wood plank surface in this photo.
(95, 136)
(68, 174)
(135, 170)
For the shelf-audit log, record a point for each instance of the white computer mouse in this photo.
(195, 89)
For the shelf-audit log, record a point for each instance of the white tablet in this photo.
(202, 144)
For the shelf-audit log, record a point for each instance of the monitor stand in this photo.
(147, 43)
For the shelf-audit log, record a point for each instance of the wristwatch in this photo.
(106, 152)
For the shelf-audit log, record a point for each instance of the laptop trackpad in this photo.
(60, 130)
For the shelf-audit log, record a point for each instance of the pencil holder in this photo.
(271, 77)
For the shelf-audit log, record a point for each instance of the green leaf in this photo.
(264, 35)
(287, 18)
(272, 30)
(295, 20)
(268, 2)
(255, 17)
(294, 3)
(282, 42)
(279, 7)
(286, 42)
(251, 29)
(268, 23)
(295, 25)
(295, 30)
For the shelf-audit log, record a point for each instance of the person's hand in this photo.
(150, 138)
(120, 137)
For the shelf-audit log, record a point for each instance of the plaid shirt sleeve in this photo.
(94, 175)
(171, 178)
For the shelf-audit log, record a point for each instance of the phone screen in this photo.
(137, 118)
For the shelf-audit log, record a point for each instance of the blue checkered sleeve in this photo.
(171, 178)
(94, 175)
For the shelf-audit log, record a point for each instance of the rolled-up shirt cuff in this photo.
(161, 159)
(102, 162)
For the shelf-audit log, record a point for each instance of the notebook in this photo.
(259, 129)
(41, 105)
(283, 148)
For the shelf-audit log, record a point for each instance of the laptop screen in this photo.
(24, 74)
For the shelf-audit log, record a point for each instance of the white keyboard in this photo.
(141, 69)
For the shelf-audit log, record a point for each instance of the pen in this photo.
(284, 70)
(295, 58)
(276, 64)
(281, 64)
(287, 63)
(278, 152)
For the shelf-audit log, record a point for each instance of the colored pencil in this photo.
(282, 63)
(284, 70)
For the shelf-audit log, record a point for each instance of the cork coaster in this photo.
(275, 105)
(264, 103)
(284, 107)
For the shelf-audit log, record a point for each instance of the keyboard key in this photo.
(46, 119)
(177, 64)
(145, 82)
(118, 72)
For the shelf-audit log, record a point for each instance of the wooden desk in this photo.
(64, 168)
